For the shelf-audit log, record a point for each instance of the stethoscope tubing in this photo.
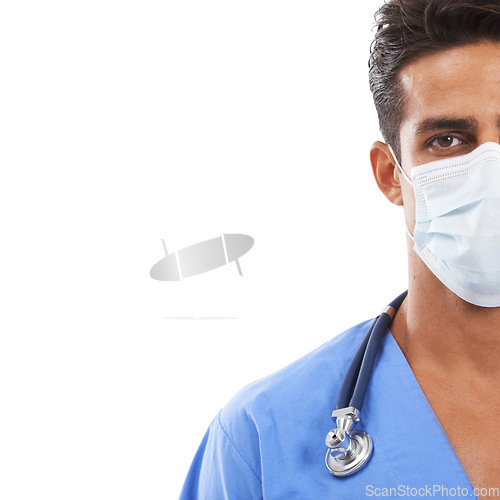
(355, 384)
(351, 375)
(349, 450)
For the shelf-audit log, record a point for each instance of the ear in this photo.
(386, 172)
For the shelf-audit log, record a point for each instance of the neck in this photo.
(438, 331)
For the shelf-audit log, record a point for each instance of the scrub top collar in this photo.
(413, 429)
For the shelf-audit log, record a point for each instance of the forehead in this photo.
(462, 81)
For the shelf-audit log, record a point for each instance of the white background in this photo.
(123, 123)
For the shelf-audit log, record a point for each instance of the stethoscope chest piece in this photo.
(348, 450)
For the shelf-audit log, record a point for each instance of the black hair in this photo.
(406, 30)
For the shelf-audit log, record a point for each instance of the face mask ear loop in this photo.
(407, 178)
(399, 166)
(408, 232)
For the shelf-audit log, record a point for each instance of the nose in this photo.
(489, 133)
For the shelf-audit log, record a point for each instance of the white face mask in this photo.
(457, 222)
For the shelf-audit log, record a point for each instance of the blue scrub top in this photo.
(268, 442)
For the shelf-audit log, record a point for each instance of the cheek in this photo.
(409, 206)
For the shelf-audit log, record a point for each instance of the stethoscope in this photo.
(348, 450)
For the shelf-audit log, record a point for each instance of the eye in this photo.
(446, 141)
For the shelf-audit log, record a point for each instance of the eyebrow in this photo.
(430, 124)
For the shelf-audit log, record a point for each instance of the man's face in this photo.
(452, 107)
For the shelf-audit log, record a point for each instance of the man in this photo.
(433, 398)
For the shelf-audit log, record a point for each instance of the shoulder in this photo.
(291, 399)
(328, 362)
